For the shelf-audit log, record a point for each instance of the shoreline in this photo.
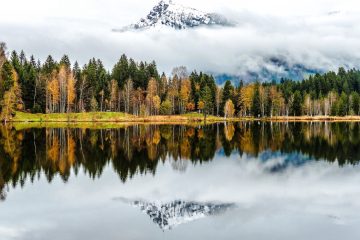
(190, 118)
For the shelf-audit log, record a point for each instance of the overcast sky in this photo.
(320, 34)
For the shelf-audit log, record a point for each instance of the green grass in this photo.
(107, 118)
(72, 117)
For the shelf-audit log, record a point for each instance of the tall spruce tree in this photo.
(256, 102)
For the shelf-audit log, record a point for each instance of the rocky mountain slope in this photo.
(167, 13)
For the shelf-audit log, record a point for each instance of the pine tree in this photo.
(65, 61)
(7, 76)
(256, 103)
(342, 105)
(206, 97)
(296, 108)
(120, 71)
(355, 103)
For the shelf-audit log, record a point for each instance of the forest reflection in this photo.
(25, 154)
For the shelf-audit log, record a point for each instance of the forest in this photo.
(138, 88)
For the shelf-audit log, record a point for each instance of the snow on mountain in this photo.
(176, 16)
(172, 214)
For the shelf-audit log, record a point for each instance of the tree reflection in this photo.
(27, 154)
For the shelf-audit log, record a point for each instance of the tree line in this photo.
(137, 88)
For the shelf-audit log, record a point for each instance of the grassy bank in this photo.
(111, 117)
(314, 119)
(117, 118)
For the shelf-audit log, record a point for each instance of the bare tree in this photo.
(128, 89)
(181, 72)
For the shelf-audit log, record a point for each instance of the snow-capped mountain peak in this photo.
(177, 16)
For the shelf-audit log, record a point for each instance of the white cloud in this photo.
(322, 34)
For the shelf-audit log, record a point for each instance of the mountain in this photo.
(272, 69)
(169, 215)
(170, 14)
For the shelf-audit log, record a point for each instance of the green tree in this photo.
(355, 103)
(7, 76)
(120, 71)
(11, 99)
(296, 107)
(166, 108)
(206, 97)
(343, 105)
(256, 102)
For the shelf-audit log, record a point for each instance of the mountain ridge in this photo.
(176, 16)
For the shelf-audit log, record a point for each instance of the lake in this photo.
(247, 180)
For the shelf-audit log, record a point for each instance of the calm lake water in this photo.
(222, 181)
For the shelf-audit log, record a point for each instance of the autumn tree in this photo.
(180, 72)
(114, 92)
(71, 92)
(185, 91)
(218, 99)
(2, 53)
(53, 90)
(166, 108)
(151, 93)
(275, 102)
(137, 100)
(62, 80)
(190, 106)
(201, 106)
(246, 99)
(226, 94)
(156, 103)
(173, 93)
(11, 99)
(163, 86)
(83, 93)
(128, 92)
(229, 109)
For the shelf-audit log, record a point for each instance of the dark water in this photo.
(233, 181)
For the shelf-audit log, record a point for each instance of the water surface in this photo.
(222, 181)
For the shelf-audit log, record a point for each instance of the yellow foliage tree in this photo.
(71, 92)
(53, 88)
(151, 93)
(156, 104)
(229, 109)
(245, 100)
(201, 105)
(185, 91)
(11, 99)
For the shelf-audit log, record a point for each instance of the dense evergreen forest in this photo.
(138, 88)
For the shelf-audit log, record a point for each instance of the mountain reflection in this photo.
(172, 214)
(25, 154)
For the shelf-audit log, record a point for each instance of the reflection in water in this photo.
(24, 154)
(172, 214)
